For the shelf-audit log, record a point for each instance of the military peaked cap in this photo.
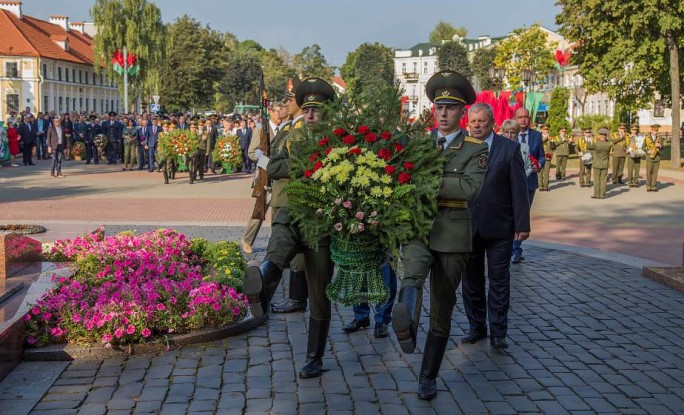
(449, 87)
(603, 131)
(312, 92)
(655, 126)
(112, 114)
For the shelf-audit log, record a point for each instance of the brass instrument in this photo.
(653, 149)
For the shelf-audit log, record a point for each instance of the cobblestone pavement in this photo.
(586, 336)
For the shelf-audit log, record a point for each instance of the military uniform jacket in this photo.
(464, 173)
(562, 146)
(91, 131)
(601, 153)
(620, 145)
(278, 168)
(649, 144)
(111, 130)
(548, 147)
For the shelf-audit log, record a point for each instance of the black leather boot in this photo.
(318, 336)
(406, 316)
(435, 346)
(259, 284)
(298, 294)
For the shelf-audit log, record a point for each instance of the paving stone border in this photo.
(23, 229)
(62, 352)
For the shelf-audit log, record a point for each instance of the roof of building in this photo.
(29, 36)
(339, 81)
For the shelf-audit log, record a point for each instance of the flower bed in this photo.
(127, 289)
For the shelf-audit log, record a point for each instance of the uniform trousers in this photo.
(544, 175)
(652, 174)
(601, 177)
(561, 163)
(633, 167)
(285, 243)
(618, 168)
(92, 152)
(496, 302)
(584, 173)
(446, 269)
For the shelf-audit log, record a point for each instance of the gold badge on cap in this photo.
(447, 73)
(311, 97)
(445, 93)
(312, 80)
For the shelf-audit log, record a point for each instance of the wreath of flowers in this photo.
(100, 141)
(177, 143)
(228, 150)
(78, 149)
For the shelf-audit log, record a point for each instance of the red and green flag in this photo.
(121, 65)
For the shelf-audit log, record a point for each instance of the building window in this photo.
(45, 103)
(403, 67)
(80, 77)
(80, 104)
(11, 70)
(73, 104)
(87, 102)
(94, 104)
(68, 101)
(658, 109)
(60, 105)
(44, 71)
(415, 67)
(12, 102)
(425, 67)
(102, 106)
(59, 73)
(86, 78)
(73, 75)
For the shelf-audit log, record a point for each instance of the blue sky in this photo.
(338, 26)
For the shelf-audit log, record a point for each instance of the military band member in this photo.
(635, 153)
(450, 240)
(601, 152)
(584, 165)
(547, 143)
(620, 144)
(652, 146)
(286, 241)
(562, 145)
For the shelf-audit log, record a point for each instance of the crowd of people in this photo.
(130, 139)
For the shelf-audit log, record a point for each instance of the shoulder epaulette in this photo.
(473, 140)
(298, 124)
(287, 127)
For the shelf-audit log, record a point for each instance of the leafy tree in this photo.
(277, 71)
(525, 49)
(137, 26)
(368, 69)
(446, 31)
(483, 59)
(453, 55)
(631, 49)
(310, 62)
(193, 65)
(250, 46)
(240, 80)
(558, 110)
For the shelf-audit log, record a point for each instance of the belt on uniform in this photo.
(452, 203)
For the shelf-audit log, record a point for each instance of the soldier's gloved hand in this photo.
(258, 153)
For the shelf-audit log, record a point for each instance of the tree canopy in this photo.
(446, 31)
(368, 69)
(630, 49)
(526, 48)
(137, 26)
(483, 59)
(453, 55)
(558, 110)
(310, 62)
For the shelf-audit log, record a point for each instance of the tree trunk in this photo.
(676, 100)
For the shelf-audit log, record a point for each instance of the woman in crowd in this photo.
(13, 137)
(68, 128)
(510, 129)
(130, 139)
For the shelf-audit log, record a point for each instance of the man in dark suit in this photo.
(533, 139)
(110, 128)
(27, 137)
(245, 135)
(501, 214)
(151, 136)
(92, 130)
(212, 135)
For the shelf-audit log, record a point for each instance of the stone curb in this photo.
(594, 253)
(62, 352)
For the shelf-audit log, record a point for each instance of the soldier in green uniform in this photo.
(652, 146)
(601, 152)
(584, 164)
(298, 292)
(286, 241)
(635, 153)
(562, 145)
(547, 143)
(450, 240)
(620, 144)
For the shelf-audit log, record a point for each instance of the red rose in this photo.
(404, 178)
(371, 138)
(398, 147)
(349, 140)
(355, 150)
(408, 165)
(363, 129)
(308, 173)
(390, 169)
(323, 141)
(328, 150)
(318, 165)
(385, 154)
(339, 132)
(386, 135)
(314, 156)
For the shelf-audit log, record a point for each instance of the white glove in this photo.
(258, 153)
(263, 162)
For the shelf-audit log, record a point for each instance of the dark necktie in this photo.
(523, 138)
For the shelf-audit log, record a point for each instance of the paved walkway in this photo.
(587, 336)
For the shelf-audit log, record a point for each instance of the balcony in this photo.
(411, 76)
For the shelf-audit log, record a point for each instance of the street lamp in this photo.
(497, 75)
(528, 76)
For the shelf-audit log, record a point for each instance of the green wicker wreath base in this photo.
(358, 278)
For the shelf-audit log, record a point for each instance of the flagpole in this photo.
(125, 56)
